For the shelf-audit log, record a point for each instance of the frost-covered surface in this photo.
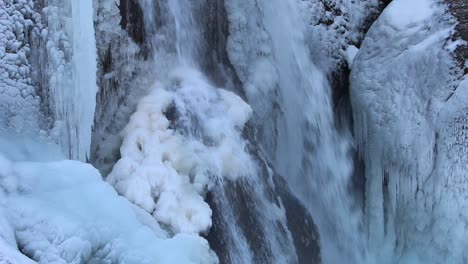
(450, 187)
(120, 69)
(166, 171)
(333, 25)
(44, 85)
(410, 129)
(19, 102)
(62, 212)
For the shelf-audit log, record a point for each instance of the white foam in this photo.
(166, 171)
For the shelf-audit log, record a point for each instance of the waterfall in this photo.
(222, 131)
(190, 140)
(268, 48)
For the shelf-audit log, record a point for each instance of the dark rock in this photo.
(300, 224)
(241, 205)
(214, 59)
(133, 20)
(240, 195)
(243, 197)
(459, 9)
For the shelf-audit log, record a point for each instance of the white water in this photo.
(309, 152)
(204, 148)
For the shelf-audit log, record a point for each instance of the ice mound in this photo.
(183, 133)
(63, 212)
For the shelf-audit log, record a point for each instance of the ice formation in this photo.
(165, 170)
(62, 212)
(351, 53)
(44, 85)
(334, 26)
(188, 144)
(19, 102)
(402, 82)
(70, 73)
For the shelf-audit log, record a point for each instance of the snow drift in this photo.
(62, 212)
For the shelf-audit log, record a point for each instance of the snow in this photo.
(9, 254)
(402, 84)
(351, 53)
(402, 13)
(62, 212)
(166, 164)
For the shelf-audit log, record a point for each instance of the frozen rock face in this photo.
(19, 101)
(334, 25)
(120, 63)
(404, 89)
(45, 89)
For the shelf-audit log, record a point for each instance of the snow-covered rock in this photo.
(335, 25)
(120, 64)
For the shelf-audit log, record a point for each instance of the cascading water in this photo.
(307, 148)
(309, 151)
(204, 172)
(203, 146)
